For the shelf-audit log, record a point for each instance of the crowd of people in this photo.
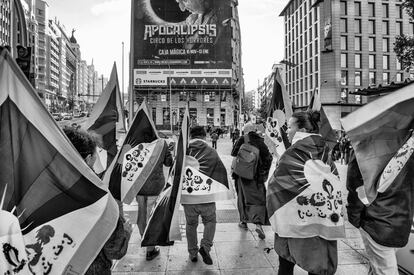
(261, 193)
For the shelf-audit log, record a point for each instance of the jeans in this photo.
(207, 211)
(145, 205)
(214, 144)
(382, 259)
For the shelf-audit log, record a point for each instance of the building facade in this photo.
(339, 46)
(212, 87)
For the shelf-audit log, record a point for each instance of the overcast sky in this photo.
(102, 25)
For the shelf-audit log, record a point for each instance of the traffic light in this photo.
(23, 59)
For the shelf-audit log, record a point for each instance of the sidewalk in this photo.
(235, 251)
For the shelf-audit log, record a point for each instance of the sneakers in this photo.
(194, 259)
(243, 225)
(153, 253)
(260, 232)
(206, 256)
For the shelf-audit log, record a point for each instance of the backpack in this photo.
(245, 163)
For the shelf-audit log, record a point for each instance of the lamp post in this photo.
(170, 91)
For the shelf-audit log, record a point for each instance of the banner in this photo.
(142, 130)
(180, 34)
(65, 213)
(377, 131)
(163, 226)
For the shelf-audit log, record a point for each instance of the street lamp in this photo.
(169, 84)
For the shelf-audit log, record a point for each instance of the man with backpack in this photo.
(250, 170)
(214, 138)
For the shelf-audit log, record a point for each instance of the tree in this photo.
(404, 44)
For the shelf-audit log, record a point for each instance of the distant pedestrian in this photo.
(250, 188)
(235, 136)
(207, 161)
(214, 138)
(148, 194)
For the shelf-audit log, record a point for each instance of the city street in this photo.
(235, 251)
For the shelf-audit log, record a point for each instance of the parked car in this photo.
(57, 116)
(67, 116)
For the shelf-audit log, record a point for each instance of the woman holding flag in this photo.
(304, 201)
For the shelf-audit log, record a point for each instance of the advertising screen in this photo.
(182, 34)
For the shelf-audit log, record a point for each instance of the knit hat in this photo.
(197, 131)
(249, 127)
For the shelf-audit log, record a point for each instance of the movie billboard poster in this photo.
(182, 34)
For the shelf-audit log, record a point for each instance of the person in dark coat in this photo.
(251, 194)
(385, 224)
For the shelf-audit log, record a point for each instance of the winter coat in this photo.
(389, 218)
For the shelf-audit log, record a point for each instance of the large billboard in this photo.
(181, 35)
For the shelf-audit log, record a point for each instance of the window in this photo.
(371, 44)
(385, 27)
(358, 99)
(399, 26)
(411, 30)
(398, 65)
(193, 114)
(357, 78)
(358, 61)
(344, 60)
(399, 77)
(166, 115)
(371, 9)
(386, 62)
(344, 26)
(357, 25)
(344, 78)
(210, 116)
(193, 96)
(371, 26)
(385, 10)
(183, 96)
(154, 96)
(316, 64)
(357, 43)
(154, 115)
(344, 42)
(343, 8)
(372, 61)
(371, 78)
(385, 45)
(209, 96)
(385, 78)
(399, 11)
(357, 6)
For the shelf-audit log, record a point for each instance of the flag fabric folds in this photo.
(325, 128)
(107, 116)
(64, 211)
(205, 176)
(141, 133)
(377, 131)
(304, 196)
(280, 110)
(163, 225)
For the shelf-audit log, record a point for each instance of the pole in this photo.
(171, 118)
(131, 94)
(102, 83)
(123, 99)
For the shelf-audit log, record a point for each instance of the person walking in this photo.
(205, 159)
(117, 245)
(214, 138)
(385, 224)
(235, 135)
(304, 201)
(148, 194)
(251, 193)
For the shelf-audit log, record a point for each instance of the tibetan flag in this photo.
(280, 110)
(107, 116)
(65, 213)
(304, 196)
(205, 177)
(377, 131)
(325, 128)
(136, 160)
(163, 226)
